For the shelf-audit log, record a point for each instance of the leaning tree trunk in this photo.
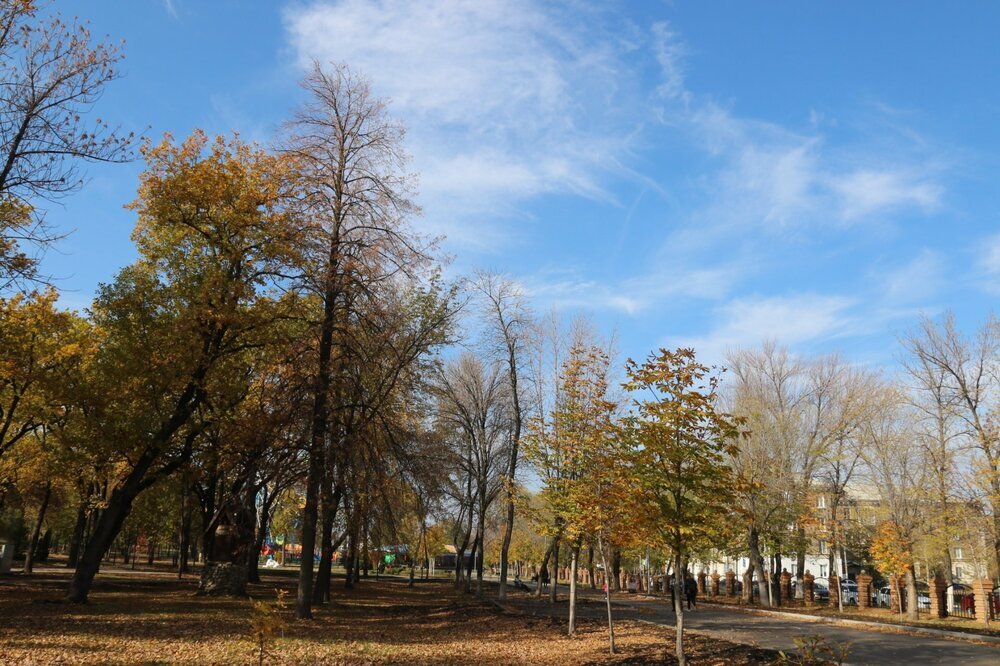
(544, 567)
(29, 557)
(107, 528)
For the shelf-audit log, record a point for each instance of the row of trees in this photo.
(274, 363)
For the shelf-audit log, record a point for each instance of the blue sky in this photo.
(696, 173)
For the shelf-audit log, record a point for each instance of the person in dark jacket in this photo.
(691, 591)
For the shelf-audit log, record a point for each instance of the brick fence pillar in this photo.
(701, 583)
(937, 591)
(833, 583)
(864, 590)
(786, 586)
(983, 589)
(809, 588)
(730, 583)
(715, 583)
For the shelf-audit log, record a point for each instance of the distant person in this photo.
(691, 592)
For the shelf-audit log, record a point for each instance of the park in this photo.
(359, 332)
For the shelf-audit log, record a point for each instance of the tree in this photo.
(356, 200)
(767, 391)
(475, 401)
(51, 76)
(509, 321)
(213, 231)
(970, 384)
(681, 443)
(37, 341)
(899, 471)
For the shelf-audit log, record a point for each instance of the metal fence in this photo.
(961, 601)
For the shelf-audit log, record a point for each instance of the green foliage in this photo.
(680, 443)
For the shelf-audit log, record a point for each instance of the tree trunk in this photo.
(554, 575)
(679, 607)
(753, 541)
(800, 560)
(107, 528)
(512, 470)
(471, 565)
(616, 570)
(331, 502)
(544, 567)
(574, 563)
(911, 595)
(253, 566)
(76, 542)
(590, 567)
(29, 557)
(607, 596)
(184, 546)
(481, 549)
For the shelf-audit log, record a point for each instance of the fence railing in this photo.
(961, 601)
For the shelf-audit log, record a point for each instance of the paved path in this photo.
(867, 647)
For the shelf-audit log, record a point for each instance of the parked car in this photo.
(883, 597)
(849, 591)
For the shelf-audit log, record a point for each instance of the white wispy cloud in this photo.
(171, 7)
(505, 99)
(914, 281)
(792, 320)
(630, 295)
(772, 176)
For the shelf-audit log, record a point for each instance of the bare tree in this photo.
(508, 322)
(356, 200)
(939, 433)
(898, 470)
(51, 76)
(969, 382)
(474, 398)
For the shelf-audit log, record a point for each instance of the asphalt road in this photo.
(867, 647)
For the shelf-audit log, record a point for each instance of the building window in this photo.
(822, 571)
(821, 502)
(958, 554)
(959, 573)
(823, 550)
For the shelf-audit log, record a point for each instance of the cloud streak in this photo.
(506, 100)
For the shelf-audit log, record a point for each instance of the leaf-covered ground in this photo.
(149, 617)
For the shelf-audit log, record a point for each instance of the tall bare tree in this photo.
(508, 322)
(356, 201)
(475, 400)
(970, 383)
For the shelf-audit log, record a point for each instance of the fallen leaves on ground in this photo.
(145, 617)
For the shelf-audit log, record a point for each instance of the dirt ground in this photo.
(152, 617)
